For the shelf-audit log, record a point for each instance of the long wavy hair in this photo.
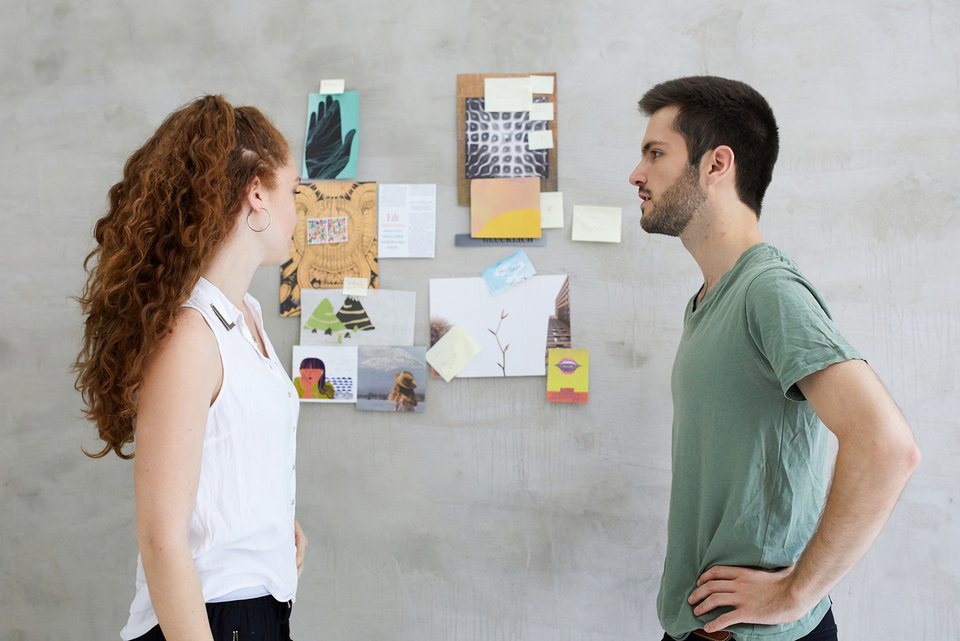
(180, 196)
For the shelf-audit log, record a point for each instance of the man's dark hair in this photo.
(716, 111)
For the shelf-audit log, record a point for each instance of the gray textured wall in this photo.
(495, 516)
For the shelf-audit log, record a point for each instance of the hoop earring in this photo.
(269, 220)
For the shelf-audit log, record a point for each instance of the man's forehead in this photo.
(660, 128)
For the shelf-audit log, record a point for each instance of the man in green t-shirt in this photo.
(753, 549)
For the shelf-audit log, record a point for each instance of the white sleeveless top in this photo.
(241, 531)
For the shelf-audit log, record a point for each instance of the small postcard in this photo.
(568, 375)
(392, 378)
(324, 374)
(327, 231)
(333, 317)
(505, 207)
(509, 271)
(407, 221)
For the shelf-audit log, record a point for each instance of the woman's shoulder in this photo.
(190, 340)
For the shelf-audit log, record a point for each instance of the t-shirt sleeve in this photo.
(792, 328)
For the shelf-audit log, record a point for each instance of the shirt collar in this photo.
(227, 312)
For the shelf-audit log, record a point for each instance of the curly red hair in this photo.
(179, 197)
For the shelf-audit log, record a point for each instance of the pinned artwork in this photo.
(325, 374)
(408, 221)
(492, 143)
(325, 265)
(382, 317)
(330, 150)
(568, 375)
(392, 378)
(514, 329)
(323, 231)
(509, 271)
(505, 208)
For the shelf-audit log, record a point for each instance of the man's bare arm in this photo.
(876, 456)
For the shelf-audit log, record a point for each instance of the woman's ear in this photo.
(254, 196)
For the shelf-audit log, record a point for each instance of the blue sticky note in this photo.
(507, 272)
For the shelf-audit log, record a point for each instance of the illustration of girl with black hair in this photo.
(312, 382)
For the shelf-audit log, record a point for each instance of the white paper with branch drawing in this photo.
(514, 328)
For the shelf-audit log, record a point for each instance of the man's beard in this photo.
(677, 205)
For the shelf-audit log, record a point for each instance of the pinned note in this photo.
(509, 271)
(551, 210)
(507, 94)
(596, 224)
(539, 140)
(541, 84)
(541, 111)
(355, 286)
(452, 352)
(332, 86)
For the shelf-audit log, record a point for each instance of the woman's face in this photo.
(281, 203)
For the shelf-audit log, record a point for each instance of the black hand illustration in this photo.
(326, 154)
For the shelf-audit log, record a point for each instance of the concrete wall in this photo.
(495, 516)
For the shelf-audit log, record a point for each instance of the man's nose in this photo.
(638, 177)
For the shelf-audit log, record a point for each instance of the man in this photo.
(760, 369)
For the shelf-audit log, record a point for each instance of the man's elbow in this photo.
(910, 457)
(902, 454)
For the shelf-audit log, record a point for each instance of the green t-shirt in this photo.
(749, 468)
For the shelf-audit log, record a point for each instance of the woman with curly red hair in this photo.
(175, 360)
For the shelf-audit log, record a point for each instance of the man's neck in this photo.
(717, 240)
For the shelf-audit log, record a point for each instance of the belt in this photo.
(722, 635)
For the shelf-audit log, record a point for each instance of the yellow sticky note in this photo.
(541, 84)
(540, 140)
(332, 86)
(596, 224)
(541, 111)
(355, 286)
(551, 210)
(507, 94)
(452, 352)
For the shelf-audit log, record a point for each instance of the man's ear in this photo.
(719, 164)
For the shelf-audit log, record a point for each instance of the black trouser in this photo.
(262, 619)
(826, 630)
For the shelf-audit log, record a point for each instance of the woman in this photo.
(312, 382)
(175, 359)
(403, 397)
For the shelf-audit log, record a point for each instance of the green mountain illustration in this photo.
(324, 319)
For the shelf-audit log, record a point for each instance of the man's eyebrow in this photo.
(652, 143)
